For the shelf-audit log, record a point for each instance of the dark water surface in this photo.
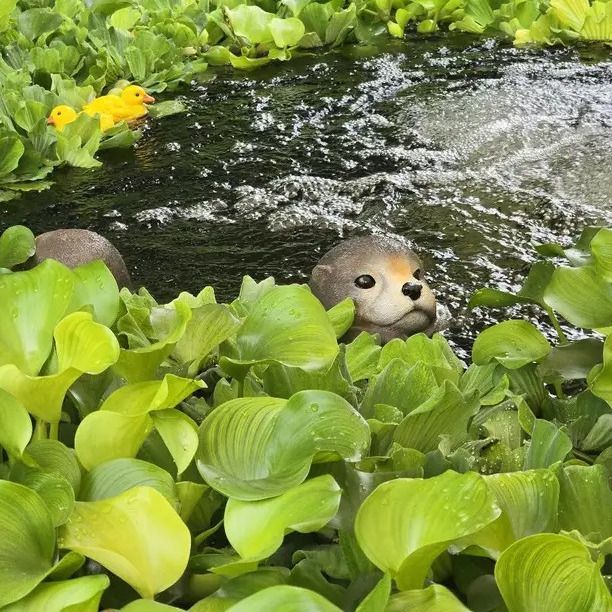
(472, 150)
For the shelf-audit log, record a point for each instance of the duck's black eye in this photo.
(59, 113)
(365, 281)
(137, 95)
(417, 274)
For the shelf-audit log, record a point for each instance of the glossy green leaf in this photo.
(96, 286)
(15, 425)
(210, 325)
(511, 343)
(548, 445)
(581, 296)
(114, 477)
(82, 594)
(285, 598)
(259, 447)
(180, 435)
(572, 361)
(82, 346)
(600, 378)
(286, 32)
(55, 458)
(435, 598)
(251, 22)
(166, 326)
(601, 247)
(137, 535)
(405, 524)
(16, 246)
(26, 328)
(446, 413)
(362, 356)
(123, 422)
(528, 501)
(287, 325)
(256, 529)
(342, 314)
(27, 546)
(585, 500)
(549, 573)
(378, 597)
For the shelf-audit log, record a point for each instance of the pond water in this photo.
(473, 150)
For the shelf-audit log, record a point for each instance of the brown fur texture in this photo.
(75, 247)
(383, 308)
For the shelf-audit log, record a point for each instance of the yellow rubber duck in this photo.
(129, 105)
(62, 115)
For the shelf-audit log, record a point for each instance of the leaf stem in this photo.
(555, 323)
(53, 430)
(40, 430)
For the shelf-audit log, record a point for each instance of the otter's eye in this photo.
(417, 274)
(365, 281)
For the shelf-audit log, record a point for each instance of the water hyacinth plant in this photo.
(69, 51)
(204, 456)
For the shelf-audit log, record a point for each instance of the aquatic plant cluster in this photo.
(68, 51)
(205, 456)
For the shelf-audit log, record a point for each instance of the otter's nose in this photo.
(412, 290)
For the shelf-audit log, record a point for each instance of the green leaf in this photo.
(581, 296)
(287, 325)
(95, 286)
(167, 326)
(137, 535)
(549, 573)
(512, 343)
(600, 378)
(585, 501)
(82, 594)
(37, 300)
(528, 501)
(53, 457)
(286, 32)
(378, 597)
(547, 446)
(125, 18)
(435, 598)
(251, 22)
(285, 598)
(27, 546)
(123, 422)
(406, 523)
(16, 246)
(15, 425)
(259, 447)
(180, 435)
(570, 13)
(114, 477)
(572, 361)
(54, 489)
(210, 325)
(167, 108)
(256, 529)
(362, 356)
(82, 346)
(446, 413)
(11, 150)
(341, 316)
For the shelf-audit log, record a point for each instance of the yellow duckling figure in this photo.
(128, 106)
(62, 115)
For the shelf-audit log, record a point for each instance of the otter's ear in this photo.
(321, 274)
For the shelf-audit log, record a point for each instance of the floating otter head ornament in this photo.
(385, 280)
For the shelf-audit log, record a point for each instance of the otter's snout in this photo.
(412, 290)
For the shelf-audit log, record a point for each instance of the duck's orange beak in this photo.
(149, 99)
(50, 121)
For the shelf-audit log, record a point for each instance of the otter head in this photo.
(385, 280)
